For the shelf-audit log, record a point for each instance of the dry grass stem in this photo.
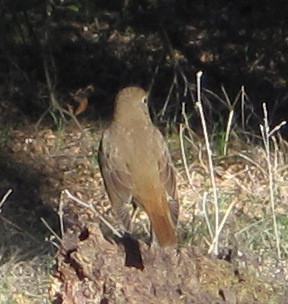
(4, 198)
(186, 121)
(266, 135)
(252, 162)
(228, 130)
(210, 162)
(243, 107)
(277, 128)
(60, 214)
(250, 226)
(163, 111)
(216, 237)
(204, 203)
(50, 229)
(227, 99)
(18, 228)
(78, 201)
(183, 154)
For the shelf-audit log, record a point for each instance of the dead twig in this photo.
(78, 201)
(4, 198)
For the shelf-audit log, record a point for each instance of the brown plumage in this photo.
(136, 166)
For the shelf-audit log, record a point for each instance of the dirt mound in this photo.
(91, 268)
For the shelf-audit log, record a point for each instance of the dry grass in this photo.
(25, 281)
(242, 180)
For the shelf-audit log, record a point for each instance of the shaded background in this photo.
(111, 44)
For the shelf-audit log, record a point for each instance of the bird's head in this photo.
(131, 103)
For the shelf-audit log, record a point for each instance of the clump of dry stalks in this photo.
(242, 187)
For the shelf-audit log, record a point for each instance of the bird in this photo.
(137, 168)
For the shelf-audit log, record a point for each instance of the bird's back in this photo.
(136, 165)
(140, 148)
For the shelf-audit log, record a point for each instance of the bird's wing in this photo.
(116, 177)
(167, 176)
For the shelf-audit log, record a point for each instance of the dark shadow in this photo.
(133, 257)
(23, 234)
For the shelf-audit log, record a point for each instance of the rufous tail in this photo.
(163, 228)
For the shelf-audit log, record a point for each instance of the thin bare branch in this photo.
(4, 198)
(78, 201)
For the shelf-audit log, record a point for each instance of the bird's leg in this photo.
(152, 238)
(136, 209)
(134, 214)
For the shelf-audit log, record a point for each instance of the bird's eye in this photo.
(144, 99)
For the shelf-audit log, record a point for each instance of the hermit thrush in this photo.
(136, 166)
